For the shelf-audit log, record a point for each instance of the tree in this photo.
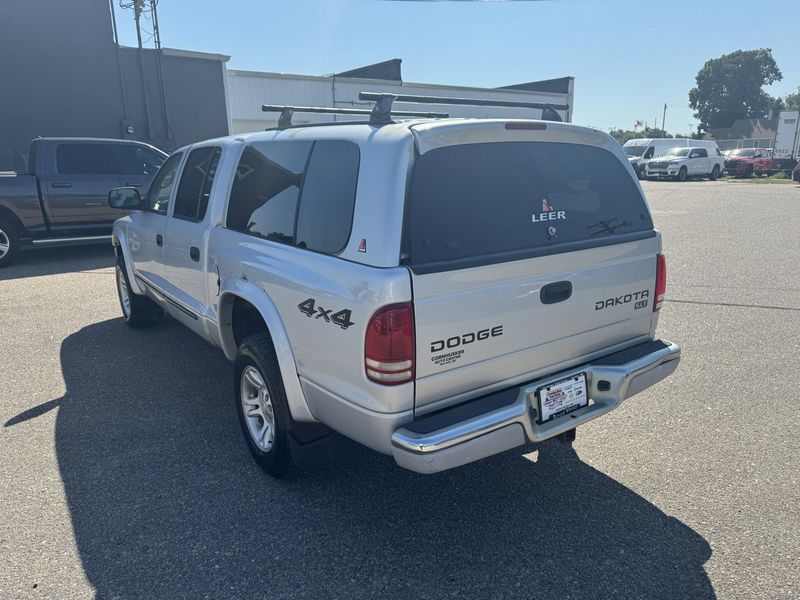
(792, 101)
(731, 87)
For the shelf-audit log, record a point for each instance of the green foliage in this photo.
(792, 101)
(731, 87)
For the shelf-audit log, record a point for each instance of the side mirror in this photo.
(125, 198)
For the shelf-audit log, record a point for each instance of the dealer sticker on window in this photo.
(562, 397)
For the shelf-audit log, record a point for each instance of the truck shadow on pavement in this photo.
(166, 503)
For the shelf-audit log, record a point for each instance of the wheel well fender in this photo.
(119, 242)
(243, 294)
(8, 215)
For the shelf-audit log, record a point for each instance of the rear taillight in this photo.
(661, 281)
(389, 345)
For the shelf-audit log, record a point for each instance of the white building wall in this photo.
(248, 90)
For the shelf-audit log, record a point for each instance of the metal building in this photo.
(65, 74)
(248, 90)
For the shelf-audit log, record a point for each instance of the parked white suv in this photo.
(683, 163)
(438, 290)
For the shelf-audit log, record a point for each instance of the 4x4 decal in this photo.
(341, 318)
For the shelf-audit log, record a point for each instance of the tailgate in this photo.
(502, 323)
(527, 256)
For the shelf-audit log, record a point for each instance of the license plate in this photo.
(562, 397)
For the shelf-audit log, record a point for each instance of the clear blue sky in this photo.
(628, 57)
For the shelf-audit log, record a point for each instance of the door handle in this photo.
(556, 292)
(159, 239)
(136, 185)
(194, 253)
(61, 185)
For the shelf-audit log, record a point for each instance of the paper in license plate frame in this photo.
(573, 388)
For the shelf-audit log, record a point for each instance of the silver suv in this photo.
(439, 290)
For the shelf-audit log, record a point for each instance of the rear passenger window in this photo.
(194, 189)
(328, 196)
(82, 159)
(266, 188)
(297, 193)
(492, 202)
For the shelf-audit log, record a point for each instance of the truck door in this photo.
(76, 185)
(185, 236)
(698, 162)
(145, 233)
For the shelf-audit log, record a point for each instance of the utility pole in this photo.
(138, 5)
(664, 117)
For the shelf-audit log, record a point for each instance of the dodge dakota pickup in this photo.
(439, 290)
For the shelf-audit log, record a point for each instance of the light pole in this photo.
(664, 118)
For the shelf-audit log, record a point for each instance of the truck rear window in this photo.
(480, 204)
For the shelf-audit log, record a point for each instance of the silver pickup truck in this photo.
(439, 290)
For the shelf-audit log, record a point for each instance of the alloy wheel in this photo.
(124, 293)
(257, 408)
(5, 243)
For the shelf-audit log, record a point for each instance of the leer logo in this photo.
(549, 213)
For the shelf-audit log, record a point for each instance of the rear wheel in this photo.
(261, 405)
(138, 311)
(714, 173)
(748, 173)
(683, 174)
(9, 243)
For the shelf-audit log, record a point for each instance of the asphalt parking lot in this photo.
(125, 474)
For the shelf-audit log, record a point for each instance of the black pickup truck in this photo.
(62, 198)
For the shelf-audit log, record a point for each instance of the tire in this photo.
(641, 173)
(683, 175)
(137, 311)
(9, 242)
(714, 175)
(261, 405)
(748, 173)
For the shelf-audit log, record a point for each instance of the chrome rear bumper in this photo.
(507, 419)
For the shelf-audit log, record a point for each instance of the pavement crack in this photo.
(732, 304)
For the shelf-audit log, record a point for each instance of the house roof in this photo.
(745, 129)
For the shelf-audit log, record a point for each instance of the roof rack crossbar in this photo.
(378, 96)
(285, 120)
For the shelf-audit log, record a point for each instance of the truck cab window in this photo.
(195, 186)
(161, 189)
(130, 159)
(82, 159)
(649, 153)
(265, 190)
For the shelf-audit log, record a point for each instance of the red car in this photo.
(746, 162)
(796, 173)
